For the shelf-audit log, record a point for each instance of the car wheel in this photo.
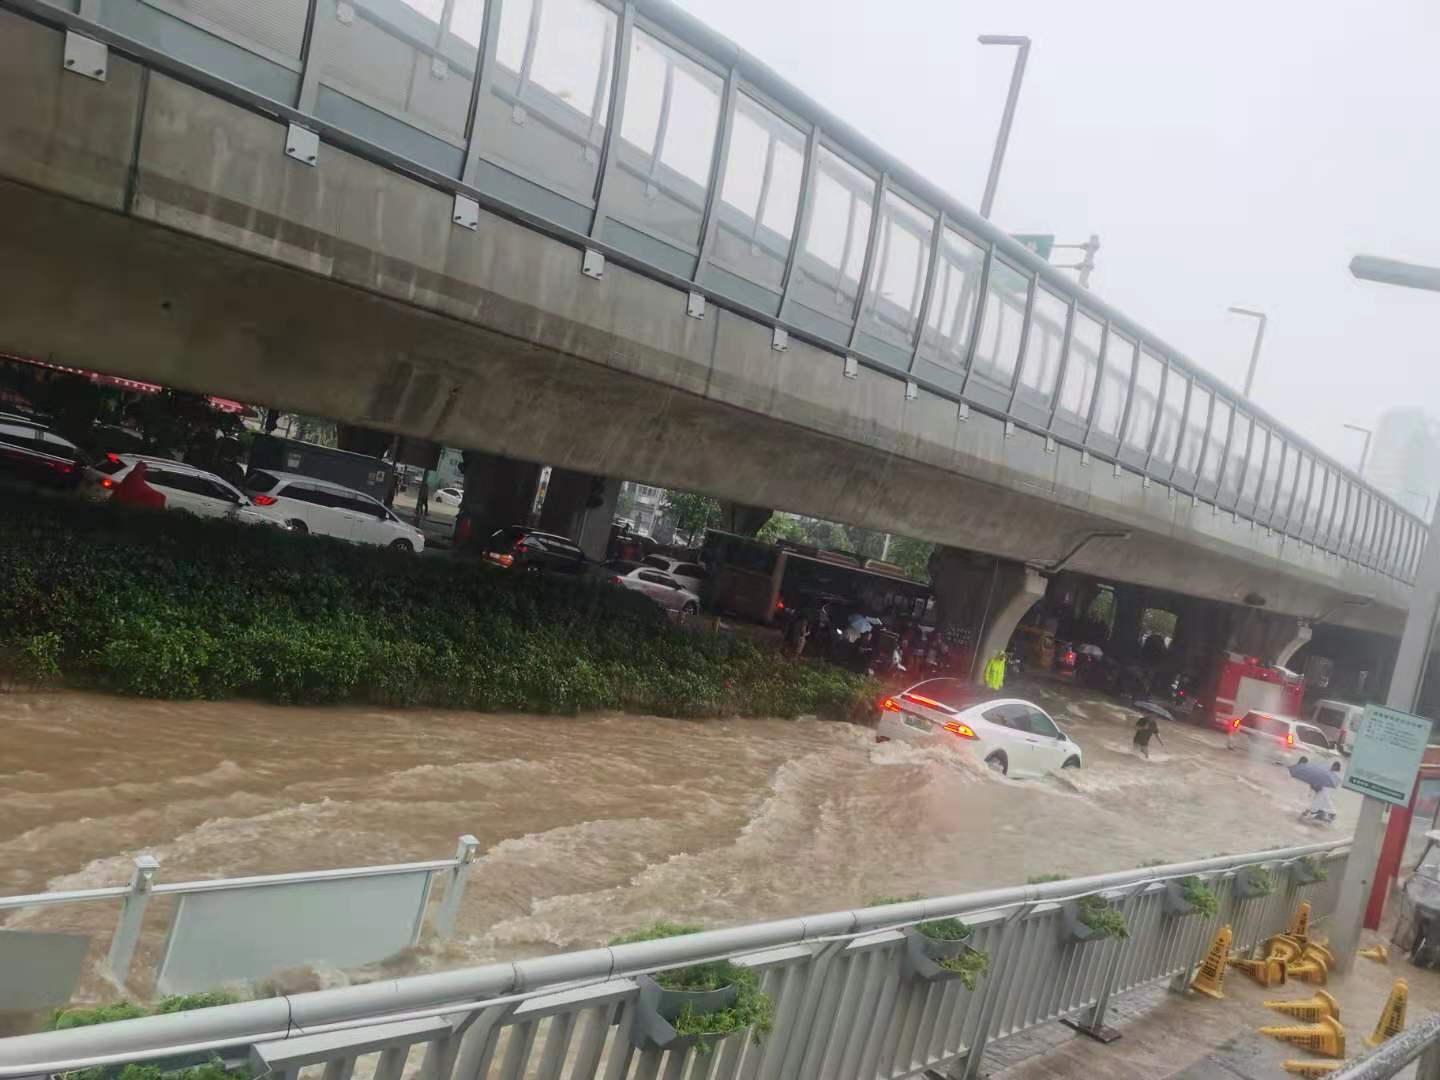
(402, 545)
(1071, 763)
(690, 609)
(298, 526)
(999, 763)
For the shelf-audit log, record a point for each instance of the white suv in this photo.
(326, 509)
(184, 487)
(1281, 739)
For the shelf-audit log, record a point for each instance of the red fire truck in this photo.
(1239, 684)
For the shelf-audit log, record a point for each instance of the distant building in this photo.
(1404, 459)
(648, 503)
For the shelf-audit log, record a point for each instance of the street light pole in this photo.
(1017, 75)
(1259, 339)
(1365, 450)
(1409, 667)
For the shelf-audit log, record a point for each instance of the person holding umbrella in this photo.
(1322, 782)
(1147, 727)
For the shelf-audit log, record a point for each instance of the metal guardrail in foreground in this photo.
(213, 919)
(1420, 1042)
(846, 1003)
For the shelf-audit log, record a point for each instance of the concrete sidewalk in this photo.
(1192, 1037)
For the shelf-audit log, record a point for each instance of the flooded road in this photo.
(594, 824)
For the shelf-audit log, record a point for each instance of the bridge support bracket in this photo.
(86, 56)
(780, 340)
(912, 391)
(466, 213)
(593, 264)
(852, 368)
(302, 144)
(1049, 444)
(695, 305)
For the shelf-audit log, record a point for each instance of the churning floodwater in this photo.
(593, 824)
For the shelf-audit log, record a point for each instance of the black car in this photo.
(519, 548)
(31, 452)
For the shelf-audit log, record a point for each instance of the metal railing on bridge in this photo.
(847, 1004)
(634, 131)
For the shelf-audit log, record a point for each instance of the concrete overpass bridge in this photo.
(598, 235)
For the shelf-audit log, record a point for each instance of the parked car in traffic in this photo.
(1012, 736)
(449, 496)
(661, 587)
(325, 509)
(1339, 720)
(1281, 739)
(31, 452)
(690, 575)
(533, 551)
(185, 487)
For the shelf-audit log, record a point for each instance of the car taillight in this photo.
(617, 580)
(263, 500)
(963, 730)
(114, 459)
(106, 482)
(505, 560)
(929, 703)
(779, 605)
(1289, 738)
(59, 466)
(1235, 724)
(890, 705)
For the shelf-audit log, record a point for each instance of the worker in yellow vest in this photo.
(994, 675)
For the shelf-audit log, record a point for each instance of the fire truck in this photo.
(1239, 684)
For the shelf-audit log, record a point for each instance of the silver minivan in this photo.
(1340, 720)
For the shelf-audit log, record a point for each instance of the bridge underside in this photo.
(159, 232)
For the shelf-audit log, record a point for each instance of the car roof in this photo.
(280, 474)
(177, 466)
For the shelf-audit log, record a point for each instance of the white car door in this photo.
(1007, 724)
(1049, 749)
(182, 491)
(659, 587)
(372, 523)
(314, 506)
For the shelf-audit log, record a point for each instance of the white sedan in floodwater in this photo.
(1012, 736)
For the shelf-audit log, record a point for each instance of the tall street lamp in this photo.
(1259, 338)
(1409, 669)
(1364, 450)
(1017, 75)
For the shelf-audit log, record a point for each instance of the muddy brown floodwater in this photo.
(593, 824)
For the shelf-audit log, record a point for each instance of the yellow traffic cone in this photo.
(1312, 1009)
(1267, 972)
(1314, 971)
(1210, 980)
(1392, 1016)
(1312, 1068)
(1379, 953)
(1300, 922)
(1326, 1036)
(1284, 948)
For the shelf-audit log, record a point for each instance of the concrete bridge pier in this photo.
(499, 491)
(581, 505)
(985, 596)
(743, 519)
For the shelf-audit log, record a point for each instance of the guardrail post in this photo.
(1093, 1022)
(1429, 1067)
(132, 914)
(455, 887)
(995, 988)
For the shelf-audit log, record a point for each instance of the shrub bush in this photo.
(162, 604)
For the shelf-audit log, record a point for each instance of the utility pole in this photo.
(1002, 140)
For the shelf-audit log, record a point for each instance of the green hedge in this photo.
(163, 604)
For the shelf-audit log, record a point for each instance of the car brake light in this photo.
(779, 605)
(963, 730)
(1234, 723)
(114, 459)
(929, 703)
(263, 500)
(890, 705)
(107, 482)
(505, 560)
(1289, 738)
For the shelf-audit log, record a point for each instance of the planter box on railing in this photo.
(923, 956)
(658, 1008)
(1248, 886)
(1308, 872)
(1073, 929)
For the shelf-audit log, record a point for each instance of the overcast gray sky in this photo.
(1237, 153)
